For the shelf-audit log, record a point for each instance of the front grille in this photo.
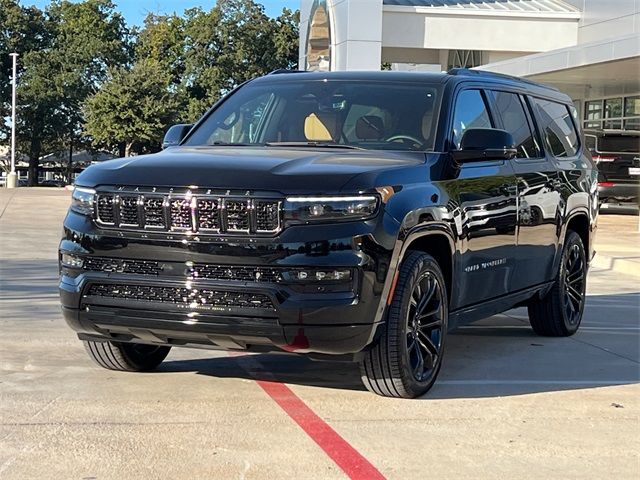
(189, 213)
(192, 298)
(120, 265)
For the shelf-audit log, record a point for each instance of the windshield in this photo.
(339, 114)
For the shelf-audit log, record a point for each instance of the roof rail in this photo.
(280, 71)
(485, 73)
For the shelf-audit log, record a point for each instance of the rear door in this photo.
(539, 201)
(484, 193)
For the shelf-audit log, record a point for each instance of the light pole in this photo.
(12, 178)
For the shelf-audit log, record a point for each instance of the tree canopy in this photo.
(87, 79)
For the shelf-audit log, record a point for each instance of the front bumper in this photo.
(334, 319)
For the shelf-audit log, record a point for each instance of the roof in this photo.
(455, 75)
(515, 6)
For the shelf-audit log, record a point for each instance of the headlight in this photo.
(324, 209)
(82, 200)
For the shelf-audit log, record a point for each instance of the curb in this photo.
(616, 264)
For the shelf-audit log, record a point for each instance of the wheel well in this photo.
(580, 225)
(439, 248)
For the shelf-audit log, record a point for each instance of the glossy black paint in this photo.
(495, 226)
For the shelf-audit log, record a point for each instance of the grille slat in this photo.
(154, 212)
(208, 214)
(181, 213)
(192, 298)
(267, 215)
(189, 213)
(238, 219)
(106, 209)
(128, 206)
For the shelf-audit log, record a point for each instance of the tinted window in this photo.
(590, 142)
(515, 121)
(470, 112)
(560, 133)
(364, 114)
(619, 144)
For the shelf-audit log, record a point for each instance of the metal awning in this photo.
(490, 6)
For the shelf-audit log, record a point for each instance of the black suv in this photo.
(350, 216)
(617, 155)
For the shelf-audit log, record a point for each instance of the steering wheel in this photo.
(404, 139)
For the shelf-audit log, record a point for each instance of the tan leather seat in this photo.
(321, 128)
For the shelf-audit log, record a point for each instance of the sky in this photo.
(134, 11)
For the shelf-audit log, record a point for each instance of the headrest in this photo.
(369, 127)
(315, 130)
(427, 121)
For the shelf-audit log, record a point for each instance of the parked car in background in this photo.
(347, 215)
(617, 155)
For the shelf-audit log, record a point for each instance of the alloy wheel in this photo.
(574, 284)
(424, 329)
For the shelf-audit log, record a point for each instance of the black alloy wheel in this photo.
(559, 312)
(425, 321)
(406, 358)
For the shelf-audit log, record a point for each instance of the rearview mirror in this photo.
(480, 144)
(176, 134)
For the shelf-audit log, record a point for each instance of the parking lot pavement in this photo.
(507, 405)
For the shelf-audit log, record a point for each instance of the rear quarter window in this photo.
(557, 126)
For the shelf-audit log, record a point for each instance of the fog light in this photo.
(72, 261)
(320, 275)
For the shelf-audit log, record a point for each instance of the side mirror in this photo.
(175, 134)
(480, 144)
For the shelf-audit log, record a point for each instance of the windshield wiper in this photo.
(313, 144)
(220, 143)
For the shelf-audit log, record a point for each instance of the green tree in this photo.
(22, 30)
(65, 55)
(232, 43)
(134, 106)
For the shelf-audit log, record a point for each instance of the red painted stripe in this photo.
(337, 448)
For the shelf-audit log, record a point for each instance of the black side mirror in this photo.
(175, 134)
(480, 144)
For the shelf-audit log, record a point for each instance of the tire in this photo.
(559, 312)
(126, 357)
(391, 367)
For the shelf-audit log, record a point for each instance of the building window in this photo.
(617, 113)
(465, 59)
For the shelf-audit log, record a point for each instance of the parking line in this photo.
(352, 463)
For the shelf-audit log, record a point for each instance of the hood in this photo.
(300, 170)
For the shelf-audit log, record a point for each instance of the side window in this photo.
(470, 112)
(590, 142)
(514, 120)
(559, 130)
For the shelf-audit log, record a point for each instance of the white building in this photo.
(587, 48)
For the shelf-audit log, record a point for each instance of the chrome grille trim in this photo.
(189, 212)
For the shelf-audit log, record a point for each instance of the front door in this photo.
(484, 194)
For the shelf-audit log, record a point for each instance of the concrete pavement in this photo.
(507, 404)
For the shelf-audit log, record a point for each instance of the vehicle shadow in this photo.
(499, 356)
